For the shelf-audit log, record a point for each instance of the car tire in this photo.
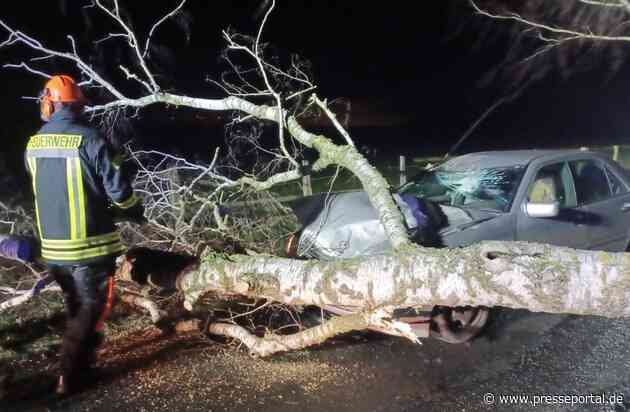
(458, 324)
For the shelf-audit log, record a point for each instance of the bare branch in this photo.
(480, 119)
(159, 22)
(145, 303)
(23, 297)
(19, 37)
(256, 55)
(375, 185)
(324, 106)
(567, 33)
(28, 68)
(262, 26)
(112, 36)
(20, 297)
(135, 77)
(271, 344)
(619, 3)
(132, 41)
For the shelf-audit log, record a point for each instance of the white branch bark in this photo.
(518, 275)
(272, 343)
(132, 41)
(597, 3)
(145, 303)
(24, 296)
(348, 157)
(563, 34)
(324, 106)
(16, 36)
(28, 68)
(158, 23)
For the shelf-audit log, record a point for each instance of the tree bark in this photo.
(346, 156)
(272, 344)
(540, 278)
(145, 303)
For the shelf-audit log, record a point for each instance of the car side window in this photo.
(552, 184)
(616, 186)
(591, 181)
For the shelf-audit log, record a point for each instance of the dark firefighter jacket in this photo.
(74, 177)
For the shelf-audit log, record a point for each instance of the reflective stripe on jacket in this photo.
(74, 178)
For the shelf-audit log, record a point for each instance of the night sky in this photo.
(418, 72)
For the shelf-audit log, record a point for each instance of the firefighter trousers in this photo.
(87, 292)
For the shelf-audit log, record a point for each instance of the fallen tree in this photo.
(541, 278)
(368, 290)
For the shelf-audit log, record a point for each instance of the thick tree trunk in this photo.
(540, 278)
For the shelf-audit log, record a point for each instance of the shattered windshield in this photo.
(483, 188)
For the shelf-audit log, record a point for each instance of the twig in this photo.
(570, 34)
(24, 296)
(28, 68)
(480, 119)
(133, 43)
(324, 106)
(159, 22)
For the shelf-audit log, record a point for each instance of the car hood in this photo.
(460, 218)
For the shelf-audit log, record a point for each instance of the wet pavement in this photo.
(521, 353)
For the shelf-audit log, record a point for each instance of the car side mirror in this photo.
(539, 210)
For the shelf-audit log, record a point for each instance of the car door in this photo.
(553, 182)
(605, 197)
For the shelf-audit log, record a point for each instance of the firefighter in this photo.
(78, 188)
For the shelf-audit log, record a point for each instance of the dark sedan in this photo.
(568, 198)
(571, 198)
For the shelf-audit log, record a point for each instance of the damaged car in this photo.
(573, 198)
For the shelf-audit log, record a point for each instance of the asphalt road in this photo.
(521, 353)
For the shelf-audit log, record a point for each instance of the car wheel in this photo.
(458, 324)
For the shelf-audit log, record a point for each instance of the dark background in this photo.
(413, 74)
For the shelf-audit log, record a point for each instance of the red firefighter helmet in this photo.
(62, 89)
